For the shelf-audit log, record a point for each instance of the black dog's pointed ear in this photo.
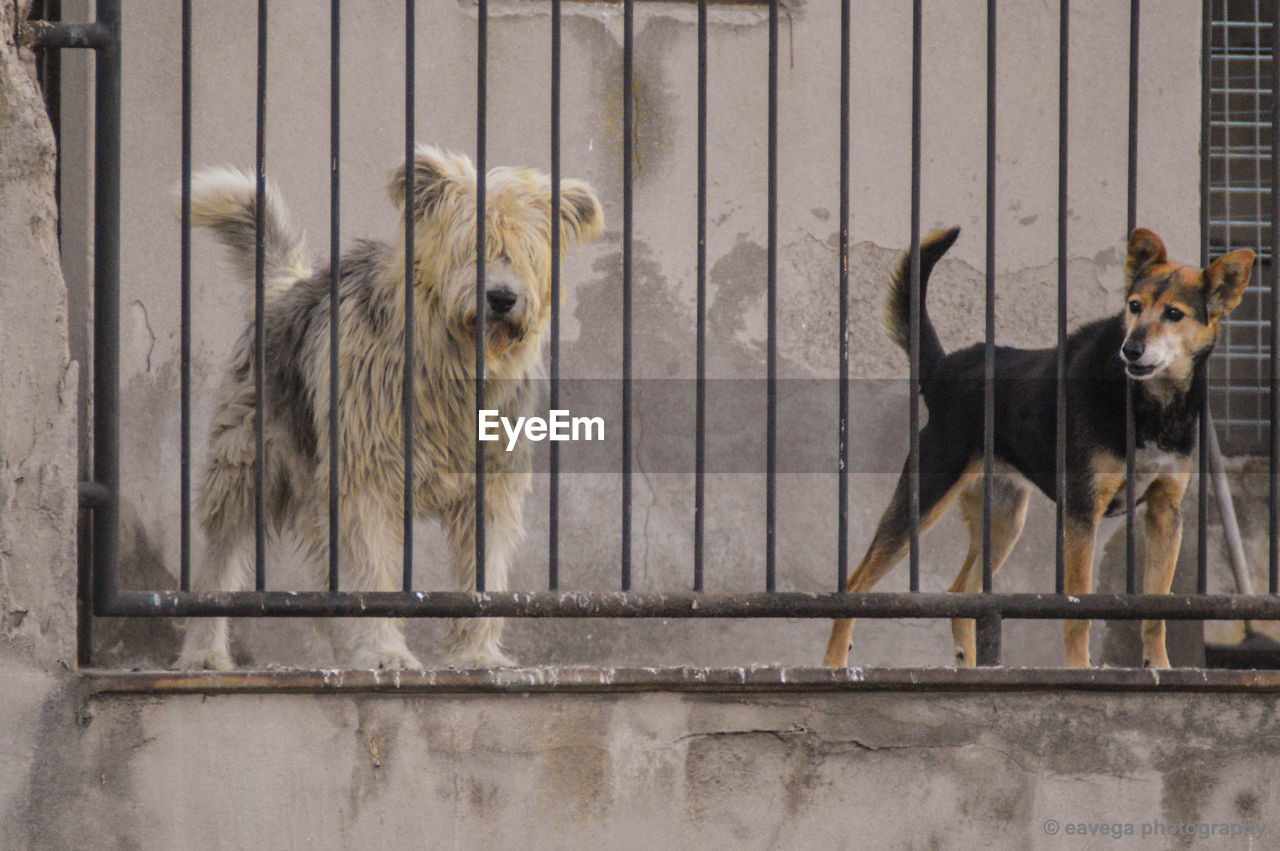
(436, 176)
(1225, 280)
(1145, 250)
(581, 218)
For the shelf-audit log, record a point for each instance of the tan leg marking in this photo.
(1081, 537)
(1008, 514)
(1164, 539)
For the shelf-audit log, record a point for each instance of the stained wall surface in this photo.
(903, 768)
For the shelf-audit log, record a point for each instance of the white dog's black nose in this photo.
(501, 300)
(1132, 351)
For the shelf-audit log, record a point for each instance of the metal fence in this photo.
(1239, 211)
(988, 607)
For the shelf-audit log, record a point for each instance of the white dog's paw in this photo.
(206, 646)
(390, 659)
(205, 659)
(476, 643)
(481, 657)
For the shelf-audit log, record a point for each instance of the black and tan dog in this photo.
(1162, 340)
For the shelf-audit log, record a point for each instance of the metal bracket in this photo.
(56, 35)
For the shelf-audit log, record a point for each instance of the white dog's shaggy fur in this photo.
(371, 352)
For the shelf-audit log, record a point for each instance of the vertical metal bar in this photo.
(38, 10)
(1229, 207)
(1202, 495)
(988, 627)
(1060, 462)
(913, 354)
(482, 256)
(106, 305)
(771, 426)
(408, 394)
(700, 423)
(259, 318)
(553, 498)
(84, 589)
(842, 511)
(987, 639)
(1132, 167)
(1130, 557)
(51, 85)
(989, 349)
(1258, 236)
(628, 121)
(1130, 543)
(1202, 479)
(1206, 116)
(184, 319)
(1273, 563)
(49, 77)
(335, 446)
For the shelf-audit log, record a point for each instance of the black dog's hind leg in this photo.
(943, 474)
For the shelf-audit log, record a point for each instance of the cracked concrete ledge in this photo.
(683, 679)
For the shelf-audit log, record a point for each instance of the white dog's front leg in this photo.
(372, 644)
(371, 560)
(477, 642)
(207, 643)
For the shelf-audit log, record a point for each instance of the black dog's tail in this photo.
(897, 313)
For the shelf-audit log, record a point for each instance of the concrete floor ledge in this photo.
(764, 678)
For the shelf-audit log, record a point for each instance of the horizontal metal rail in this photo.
(622, 604)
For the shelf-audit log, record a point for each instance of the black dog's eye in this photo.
(1135, 307)
(1172, 314)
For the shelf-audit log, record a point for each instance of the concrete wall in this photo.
(89, 768)
(645, 771)
(39, 380)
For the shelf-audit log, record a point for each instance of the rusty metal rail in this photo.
(768, 604)
(595, 680)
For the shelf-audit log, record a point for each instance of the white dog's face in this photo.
(512, 303)
(516, 300)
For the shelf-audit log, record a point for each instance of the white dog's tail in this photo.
(225, 200)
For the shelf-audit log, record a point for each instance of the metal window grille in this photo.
(1240, 212)
(1238, 147)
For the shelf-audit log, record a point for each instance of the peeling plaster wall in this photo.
(643, 771)
(562, 770)
(38, 383)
